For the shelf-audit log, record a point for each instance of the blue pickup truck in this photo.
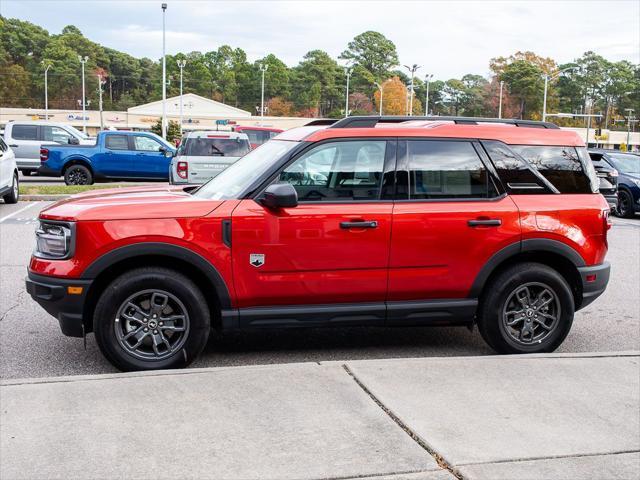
(115, 156)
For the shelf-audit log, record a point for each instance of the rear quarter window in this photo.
(562, 166)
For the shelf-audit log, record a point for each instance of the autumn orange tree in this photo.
(394, 98)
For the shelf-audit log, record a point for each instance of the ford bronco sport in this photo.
(365, 221)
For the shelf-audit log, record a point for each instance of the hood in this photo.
(130, 204)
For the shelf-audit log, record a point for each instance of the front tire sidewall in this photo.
(128, 284)
(490, 322)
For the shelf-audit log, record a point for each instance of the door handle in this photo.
(485, 222)
(14, 146)
(359, 224)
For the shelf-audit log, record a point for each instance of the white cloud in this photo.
(448, 38)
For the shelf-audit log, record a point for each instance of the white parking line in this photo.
(18, 211)
(622, 222)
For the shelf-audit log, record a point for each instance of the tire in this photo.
(14, 194)
(27, 171)
(113, 320)
(625, 204)
(500, 326)
(78, 175)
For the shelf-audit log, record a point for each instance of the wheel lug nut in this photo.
(155, 331)
(146, 329)
(154, 316)
(161, 323)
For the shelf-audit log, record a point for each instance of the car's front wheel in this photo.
(528, 308)
(14, 194)
(151, 318)
(625, 204)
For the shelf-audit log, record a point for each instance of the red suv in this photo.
(368, 221)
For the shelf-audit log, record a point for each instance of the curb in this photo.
(41, 198)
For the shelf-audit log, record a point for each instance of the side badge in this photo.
(256, 259)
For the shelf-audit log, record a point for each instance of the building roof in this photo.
(192, 105)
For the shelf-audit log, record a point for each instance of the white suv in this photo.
(8, 174)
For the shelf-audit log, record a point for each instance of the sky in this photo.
(446, 38)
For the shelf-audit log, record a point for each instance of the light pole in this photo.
(427, 79)
(181, 64)
(500, 101)
(347, 71)
(412, 69)
(629, 120)
(83, 60)
(547, 78)
(381, 88)
(46, 66)
(164, 75)
(100, 84)
(263, 68)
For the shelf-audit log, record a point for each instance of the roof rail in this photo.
(373, 120)
(321, 121)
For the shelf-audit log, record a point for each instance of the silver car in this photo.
(203, 155)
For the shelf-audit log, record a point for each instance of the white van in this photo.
(203, 155)
(26, 137)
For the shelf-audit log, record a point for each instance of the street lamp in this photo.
(347, 71)
(500, 101)
(101, 82)
(46, 66)
(546, 85)
(381, 88)
(263, 68)
(630, 119)
(164, 75)
(181, 64)
(427, 80)
(83, 60)
(412, 69)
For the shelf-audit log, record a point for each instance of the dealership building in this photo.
(198, 113)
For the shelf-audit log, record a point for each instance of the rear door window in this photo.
(562, 166)
(25, 132)
(446, 170)
(117, 142)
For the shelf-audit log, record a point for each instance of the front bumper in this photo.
(53, 295)
(594, 282)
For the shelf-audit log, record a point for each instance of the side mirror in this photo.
(280, 195)
(166, 152)
(73, 141)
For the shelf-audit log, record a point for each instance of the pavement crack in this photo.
(440, 460)
(13, 307)
(551, 457)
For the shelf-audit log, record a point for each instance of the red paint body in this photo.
(420, 250)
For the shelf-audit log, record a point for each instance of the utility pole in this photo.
(381, 88)
(181, 64)
(47, 66)
(347, 71)
(547, 78)
(427, 79)
(164, 75)
(83, 60)
(263, 68)
(500, 102)
(630, 119)
(100, 84)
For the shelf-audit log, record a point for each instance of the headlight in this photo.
(54, 240)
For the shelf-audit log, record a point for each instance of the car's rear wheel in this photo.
(78, 175)
(625, 204)
(14, 194)
(151, 318)
(528, 308)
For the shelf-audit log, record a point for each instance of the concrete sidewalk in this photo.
(517, 417)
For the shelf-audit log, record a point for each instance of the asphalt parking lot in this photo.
(31, 344)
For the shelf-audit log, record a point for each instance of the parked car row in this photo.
(625, 167)
(52, 149)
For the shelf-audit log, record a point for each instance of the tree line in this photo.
(316, 86)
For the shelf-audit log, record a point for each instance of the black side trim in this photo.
(313, 315)
(489, 267)
(553, 246)
(431, 312)
(226, 232)
(163, 249)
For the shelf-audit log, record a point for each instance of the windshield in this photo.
(207, 147)
(77, 132)
(626, 163)
(239, 176)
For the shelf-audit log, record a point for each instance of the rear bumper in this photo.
(594, 282)
(53, 295)
(612, 199)
(45, 171)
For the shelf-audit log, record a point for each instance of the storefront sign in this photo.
(73, 116)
